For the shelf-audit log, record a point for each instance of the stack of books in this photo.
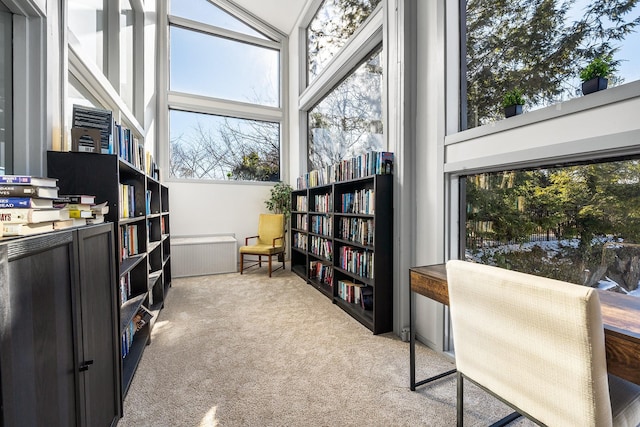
(78, 210)
(26, 204)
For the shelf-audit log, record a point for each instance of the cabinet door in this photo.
(37, 365)
(99, 361)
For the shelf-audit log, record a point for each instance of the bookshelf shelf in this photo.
(139, 209)
(333, 224)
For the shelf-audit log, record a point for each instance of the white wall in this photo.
(200, 208)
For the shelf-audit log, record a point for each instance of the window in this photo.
(127, 53)
(87, 26)
(577, 223)
(334, 23)
(208, 146)
(6, 91)
(347, 122)
(230, 69)
(540, 47)
(106, 53)
(204, 11)
(224, 100)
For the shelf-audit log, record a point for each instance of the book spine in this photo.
(17, 190)
(16, 202)
(15, 179)
(15, 216)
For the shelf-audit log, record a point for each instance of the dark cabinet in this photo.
(59, 361)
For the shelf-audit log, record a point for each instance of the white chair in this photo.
(538, 345)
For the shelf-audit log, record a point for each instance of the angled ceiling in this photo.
(282, 14)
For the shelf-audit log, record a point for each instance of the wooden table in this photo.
(620, 316)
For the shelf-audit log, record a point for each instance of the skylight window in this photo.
(208, 13)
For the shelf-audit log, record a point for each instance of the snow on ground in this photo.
(553, 248)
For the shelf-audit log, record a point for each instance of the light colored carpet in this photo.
(249, 350)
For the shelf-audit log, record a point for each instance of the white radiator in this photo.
(202, 255)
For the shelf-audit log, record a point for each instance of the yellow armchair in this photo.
(269, 242)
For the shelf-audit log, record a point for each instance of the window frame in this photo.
(360, 45)
(172, 100)
(7, 153)
(105, 86)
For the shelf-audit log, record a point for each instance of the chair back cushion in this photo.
(537, 343)
(271, 226)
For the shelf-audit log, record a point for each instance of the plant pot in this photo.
(512, 110)
(594, 85)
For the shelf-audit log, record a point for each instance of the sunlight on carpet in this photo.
(209, 420)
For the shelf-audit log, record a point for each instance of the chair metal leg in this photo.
(259, 260)
(241, 263)
(460, 401)
(270, 265)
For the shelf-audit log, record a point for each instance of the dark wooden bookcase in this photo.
(319, 244)
(147, 269)
(60, 352)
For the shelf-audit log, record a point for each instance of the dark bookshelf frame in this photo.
(380, 318)
(150, 269)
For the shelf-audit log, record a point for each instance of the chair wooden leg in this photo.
(241, 262)
(459, 401)
(270, 265)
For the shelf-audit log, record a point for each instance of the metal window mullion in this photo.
(221, 32)
(205, 105)
(249, 19)
(112, 42)
(138, 59)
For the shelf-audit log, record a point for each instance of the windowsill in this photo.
(572, 106)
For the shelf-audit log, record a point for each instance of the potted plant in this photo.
(279, 202)
(594, 75)
(512, 102)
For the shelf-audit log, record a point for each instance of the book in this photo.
(77, 213)
(18, 190)
(38, 181)
(96, 219)
(67, 223)
(78, 207)
(83, 199)
(366, 297)
(13, 229)
(28, 216)
(101, 208)
(25, 202)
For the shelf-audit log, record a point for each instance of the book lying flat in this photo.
(84, 199)
(25, 202)
(29, 180)
(9, 229)
(24, 216)
(67, 223)
(15, 190)
(77, 213)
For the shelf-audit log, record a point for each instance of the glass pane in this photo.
(348, 121)
(87, 24)
(208, 13)
(577, 223)
(333, 24)
(540, 48)
(205, 146)
(6, 96)
(127, 20)
(213, 66)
